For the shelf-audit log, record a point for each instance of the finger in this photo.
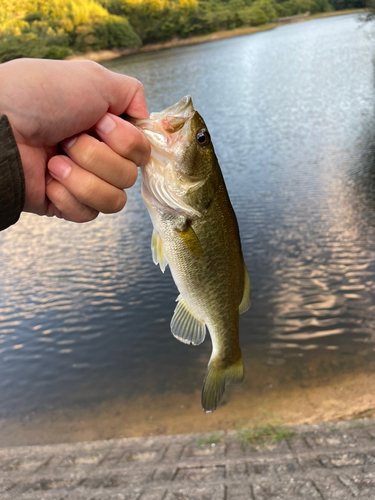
(86, 187)
(101, 160)
(128, 95)
(53, 211)
(124, 138)
(64, 205)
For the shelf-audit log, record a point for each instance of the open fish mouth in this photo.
(169, 133)
(167, 122)
(183, 109)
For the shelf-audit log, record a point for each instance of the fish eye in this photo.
(203, 137)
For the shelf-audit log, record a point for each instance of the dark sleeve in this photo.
(12, 181)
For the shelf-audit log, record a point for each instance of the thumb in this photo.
(127, 96)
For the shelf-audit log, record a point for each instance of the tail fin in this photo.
(216, 379)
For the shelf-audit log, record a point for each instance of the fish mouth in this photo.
(183, 109)
(169, 121)
(169, 134)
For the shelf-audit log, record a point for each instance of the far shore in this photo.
(106, 55)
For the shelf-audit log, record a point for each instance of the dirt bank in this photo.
(291, 387)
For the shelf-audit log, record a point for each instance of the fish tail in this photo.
(218, 375)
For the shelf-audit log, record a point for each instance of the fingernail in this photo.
(106, 124)
(59, 168)
(67, 143)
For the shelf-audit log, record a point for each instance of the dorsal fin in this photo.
(246, 298)
(185, 326)
(157, 248)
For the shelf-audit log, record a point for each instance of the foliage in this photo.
(56, 28)
(211, 439)
(11, 19)
(260, 436)
(14, 47)
(348, 4)
(295, 7)
(115, 32)
(156, 20)
(371, 11)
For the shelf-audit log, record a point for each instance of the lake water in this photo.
(85, 346)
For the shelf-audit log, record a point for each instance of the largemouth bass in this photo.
(196, 233)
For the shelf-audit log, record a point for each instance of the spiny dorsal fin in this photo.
(246, 298)
(157, 248)
(185, 326)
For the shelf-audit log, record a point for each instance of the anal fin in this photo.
(185, 326)
(158, 255)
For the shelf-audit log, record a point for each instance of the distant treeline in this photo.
(57, 28)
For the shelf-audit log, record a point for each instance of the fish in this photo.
(195, 232)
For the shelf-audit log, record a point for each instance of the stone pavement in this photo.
(325, 461)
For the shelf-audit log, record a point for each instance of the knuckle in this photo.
(65, 207)
(133, 139)
(88, 214)
(137, 84)
(89, 191)
(146, 152)
(93, 215)
(118, 202)
(137, 146)
(140, 88)
(57, 193)
(91, 65)
(130, 175)
(88, 153)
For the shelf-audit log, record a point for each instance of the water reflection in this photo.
(84, 313)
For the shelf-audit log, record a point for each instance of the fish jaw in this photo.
(183, 108)
(162, 127)
(169, 133)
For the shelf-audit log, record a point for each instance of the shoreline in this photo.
(107, 55)
(296, 392)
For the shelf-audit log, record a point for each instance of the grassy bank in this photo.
(105, 55)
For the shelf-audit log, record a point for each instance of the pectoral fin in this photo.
(191, 241)
(157, 248)
(246, 298)
(185, 326)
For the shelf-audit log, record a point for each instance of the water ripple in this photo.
(84, 313)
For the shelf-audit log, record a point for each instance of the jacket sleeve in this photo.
(12, 180)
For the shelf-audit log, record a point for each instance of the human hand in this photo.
(74, 105)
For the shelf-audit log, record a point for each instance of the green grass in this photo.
(213, 438)
(331, 428)
(260, 436)
(356, 424)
